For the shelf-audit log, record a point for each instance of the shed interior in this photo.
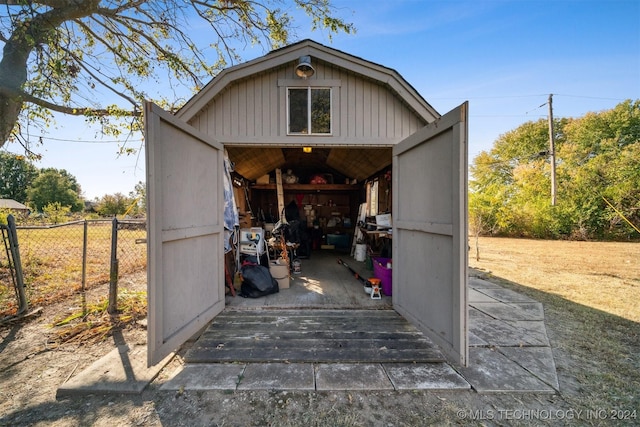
(332, 194)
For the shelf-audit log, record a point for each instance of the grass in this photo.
(591, 296)
(94, 323)
(52, 260)
(601, 275)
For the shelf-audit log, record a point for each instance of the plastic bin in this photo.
(383, 273)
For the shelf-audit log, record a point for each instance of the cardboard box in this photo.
(264, 179)
(280, 271)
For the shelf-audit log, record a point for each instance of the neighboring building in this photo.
(14, 206)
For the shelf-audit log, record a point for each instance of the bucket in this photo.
(297, 266)
(361, 252)
(382, 272)
(280, 271)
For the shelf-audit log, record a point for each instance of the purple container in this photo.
(383, 273)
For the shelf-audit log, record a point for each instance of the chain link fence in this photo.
(61, 260)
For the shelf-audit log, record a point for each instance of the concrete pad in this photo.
(506, 295)
(537, 360)
(122, 371)
(278, 376)
(351, 376)
(474, 314)
(511, 311)
(425, 376)
(478, 296)
(490, 371)
(206, 376)
(476, 341)
(477, 283)
(510, 334)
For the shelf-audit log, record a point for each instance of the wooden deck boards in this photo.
(321, 336)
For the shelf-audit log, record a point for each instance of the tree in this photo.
(114, 204)
(66, 55)
(53, 185)
(16, 174)
(597, 164)
(139, 194)
(56, 212)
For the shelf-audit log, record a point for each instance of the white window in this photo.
(309, 111)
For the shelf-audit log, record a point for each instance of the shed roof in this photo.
(12, 204)
(255, 161)
(292, 52)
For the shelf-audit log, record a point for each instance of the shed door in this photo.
(185, 207)
(430, 231)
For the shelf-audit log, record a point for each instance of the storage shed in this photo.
(324, 114)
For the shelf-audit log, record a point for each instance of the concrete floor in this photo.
(509, 349)
(321, 283)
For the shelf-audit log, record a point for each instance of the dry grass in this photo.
(600, 275)
(94, 323)
(52, 261)
(591, 297)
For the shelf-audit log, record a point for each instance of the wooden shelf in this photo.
(308, 187)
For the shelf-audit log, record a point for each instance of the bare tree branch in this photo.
(74, 111)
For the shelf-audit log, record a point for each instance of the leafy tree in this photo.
(65, 55)
(56, 213)
(139, 194)
(602, 162)
(16, 174)
(597, 162)
(114, 204)
(53, 185)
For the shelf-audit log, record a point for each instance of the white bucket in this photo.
(361, 252)
(297, 266)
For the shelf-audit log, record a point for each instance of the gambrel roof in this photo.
(290, 54)
(244, 108)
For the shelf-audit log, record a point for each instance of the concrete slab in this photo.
(425, 376)
(478, 296)
(122, 371)
(490, 372)
(537, 360)
(474, 314)
(477, 283)
(476, 341)
(505, 295)
(351, 376)
(206, 376)
(511, 311)
(503, 333)
(278, 376)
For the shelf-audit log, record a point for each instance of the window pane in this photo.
(320, 110)
(298, 111)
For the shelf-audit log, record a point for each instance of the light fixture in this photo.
(304, 68)
(306, 150)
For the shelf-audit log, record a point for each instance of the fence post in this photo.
(17, 265)
(84, 256)
(113, 276)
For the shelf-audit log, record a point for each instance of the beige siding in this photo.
(254, 110)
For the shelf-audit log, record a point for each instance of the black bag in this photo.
(257, 281)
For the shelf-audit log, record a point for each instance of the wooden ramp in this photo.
(325, 336)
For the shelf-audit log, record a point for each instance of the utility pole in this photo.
(552, 152)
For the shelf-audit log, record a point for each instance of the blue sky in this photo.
(504, 57)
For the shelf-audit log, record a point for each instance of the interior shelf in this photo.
(308, 187)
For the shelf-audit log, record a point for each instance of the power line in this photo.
(88, 141)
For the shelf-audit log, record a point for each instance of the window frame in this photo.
(309, 90)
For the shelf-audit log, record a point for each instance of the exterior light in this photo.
(306, 149)
(304, 68)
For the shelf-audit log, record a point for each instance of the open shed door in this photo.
(185, 232)
(430, 231)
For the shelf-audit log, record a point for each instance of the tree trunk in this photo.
(25, 36)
